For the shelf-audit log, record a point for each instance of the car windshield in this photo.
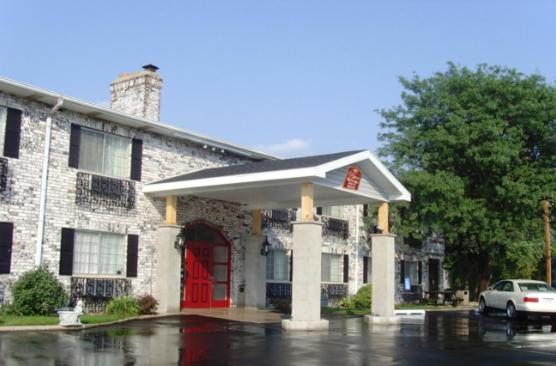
(534, 286)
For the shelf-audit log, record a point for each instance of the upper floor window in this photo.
(334, 211)
(105, 153)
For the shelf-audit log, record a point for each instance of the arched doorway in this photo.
(206, 267)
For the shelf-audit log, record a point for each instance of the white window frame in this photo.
(287, 254)
(122, 262)
(331, 269)
(102, 160)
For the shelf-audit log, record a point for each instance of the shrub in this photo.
(37, 292)
(123, 306)
(362, 300)
(147, 304)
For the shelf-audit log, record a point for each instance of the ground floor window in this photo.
(410, 274)
(278, 265)
(331, 268)
(98, 253)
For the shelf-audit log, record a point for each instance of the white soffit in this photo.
(281, 188)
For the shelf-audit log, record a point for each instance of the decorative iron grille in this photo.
(335, 227)
(3, 174)
(104, 191)
(281, 219)
(334, 290)
(97, 292)
(279, 290)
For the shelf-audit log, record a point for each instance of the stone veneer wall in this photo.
(353, 246)
(162, 157)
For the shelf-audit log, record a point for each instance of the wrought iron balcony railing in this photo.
(3, 174)
(335, 227)
(281, 219)
(97, 292)
(104, 191)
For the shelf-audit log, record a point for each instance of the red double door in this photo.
(207, 275)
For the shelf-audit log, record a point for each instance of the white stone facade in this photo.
(162, 157)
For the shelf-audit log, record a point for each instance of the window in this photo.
(98, 253)
(411, 273)
(3, 113)
(105, 153)
(278, 265)
(369, 270)
(334, 211)
(331, 268)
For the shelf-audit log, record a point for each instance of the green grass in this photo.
(14, 320)
(355, 311)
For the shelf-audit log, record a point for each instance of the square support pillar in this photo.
(307, 248)
(168, 267)
(255, 273)
(384, 279)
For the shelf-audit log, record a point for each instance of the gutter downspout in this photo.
(44, 181)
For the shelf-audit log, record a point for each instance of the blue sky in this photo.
(291, 77)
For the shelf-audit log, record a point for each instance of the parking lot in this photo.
(451, 338)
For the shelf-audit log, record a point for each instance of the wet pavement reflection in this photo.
(454, 338)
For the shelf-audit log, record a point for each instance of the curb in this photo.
(37, 328)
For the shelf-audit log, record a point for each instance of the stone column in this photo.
(255, 273)
(168, 267)
(384, 279)
(307, 244)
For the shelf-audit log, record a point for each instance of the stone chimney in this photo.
(138, 93)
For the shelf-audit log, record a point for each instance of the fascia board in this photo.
(240, 179)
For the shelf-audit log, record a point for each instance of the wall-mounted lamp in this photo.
(180, 241)
(265, 247)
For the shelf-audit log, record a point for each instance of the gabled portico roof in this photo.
(276, 183)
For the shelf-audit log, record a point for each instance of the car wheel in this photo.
(511, 312)
(483, 309)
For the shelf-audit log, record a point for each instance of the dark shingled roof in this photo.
(261, 167)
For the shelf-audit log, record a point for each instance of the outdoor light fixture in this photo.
(180, 241)
(265, 247)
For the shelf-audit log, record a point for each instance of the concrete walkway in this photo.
(249, 315)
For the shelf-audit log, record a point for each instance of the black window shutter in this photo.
(132, 255)
(291, 266)
(346, 268)
(136, 159)
(365, 210)
(319, 210)
(12, 135)
(75, 141)
(365, 269)
(402, 271)
(420, 266)
(6, 240)
(66, 252)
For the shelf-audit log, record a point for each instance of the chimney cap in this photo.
(150, 67)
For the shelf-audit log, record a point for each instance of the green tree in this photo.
(477, 149)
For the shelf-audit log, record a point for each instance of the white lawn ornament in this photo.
(70, 318)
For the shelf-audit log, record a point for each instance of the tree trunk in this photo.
(484, 272)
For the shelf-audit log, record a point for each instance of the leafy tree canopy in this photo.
(477, 150)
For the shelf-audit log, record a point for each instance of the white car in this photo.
(519, 298)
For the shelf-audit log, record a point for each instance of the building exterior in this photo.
(72, 179)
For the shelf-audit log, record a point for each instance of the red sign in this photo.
(353, 178)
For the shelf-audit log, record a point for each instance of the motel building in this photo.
(117, 203)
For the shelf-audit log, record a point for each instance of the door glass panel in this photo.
(220, 254)
(221, 272)
(219, 292)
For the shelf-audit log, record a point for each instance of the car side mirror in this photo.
(490, 288)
